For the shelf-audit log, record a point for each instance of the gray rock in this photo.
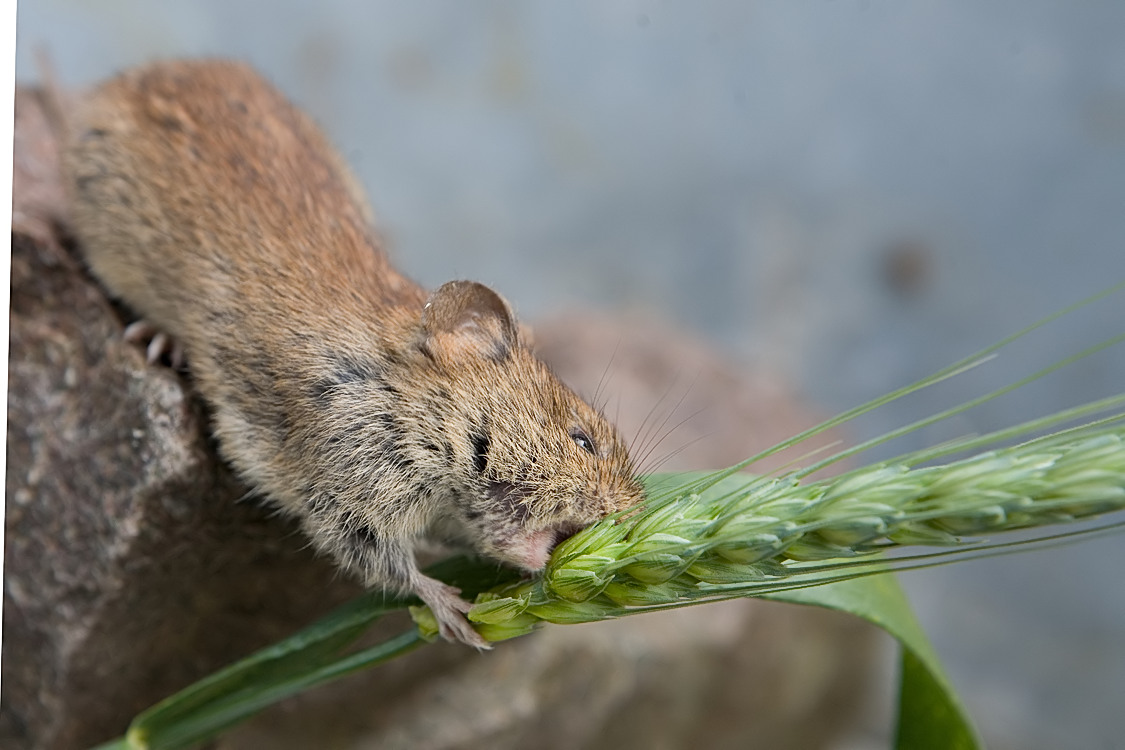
(134, 563)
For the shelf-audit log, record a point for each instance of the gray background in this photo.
(853, 193)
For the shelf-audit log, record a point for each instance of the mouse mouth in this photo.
(530, 550)
(562, 533)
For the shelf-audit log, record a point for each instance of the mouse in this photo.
(379, 414)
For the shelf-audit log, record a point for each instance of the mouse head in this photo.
(534, 462)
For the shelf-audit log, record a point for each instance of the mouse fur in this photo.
(378, 414)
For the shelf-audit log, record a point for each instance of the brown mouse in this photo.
(378, 414)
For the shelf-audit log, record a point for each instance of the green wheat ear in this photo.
(749, 536)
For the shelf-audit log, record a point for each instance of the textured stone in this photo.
(134, 564)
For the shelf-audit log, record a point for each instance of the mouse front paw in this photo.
(450, 609)
(159, 346)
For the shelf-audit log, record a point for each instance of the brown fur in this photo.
(377, 414)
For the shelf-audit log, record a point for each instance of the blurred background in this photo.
(849, 193)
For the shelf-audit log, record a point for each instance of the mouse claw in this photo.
(450, 609)
(159, 346)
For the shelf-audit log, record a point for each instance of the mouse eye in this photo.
(582, 440)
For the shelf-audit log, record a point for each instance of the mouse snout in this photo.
(531, 551)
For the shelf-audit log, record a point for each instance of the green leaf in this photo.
(306, 659)
(930, 714)
(167, 725)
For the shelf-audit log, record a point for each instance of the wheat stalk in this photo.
(719, 537)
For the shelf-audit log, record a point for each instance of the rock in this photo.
(134, 563)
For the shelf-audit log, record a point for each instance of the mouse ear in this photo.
(464, 317)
